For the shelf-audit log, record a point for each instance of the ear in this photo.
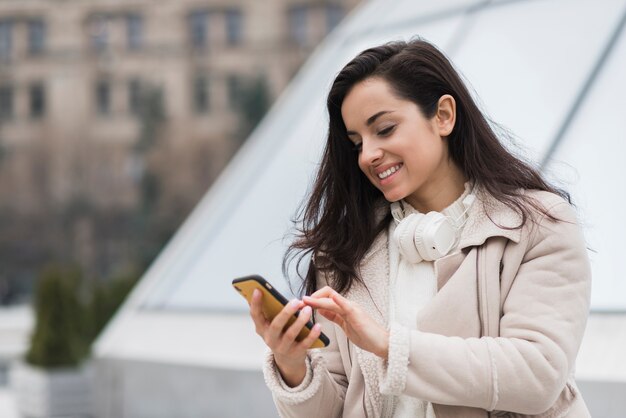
(446, 115)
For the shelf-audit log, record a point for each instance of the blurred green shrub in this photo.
(57, 340)
(69, 315)
(106, 298)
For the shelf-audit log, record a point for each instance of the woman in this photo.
(450, 277)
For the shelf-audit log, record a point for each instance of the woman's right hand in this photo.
(289, 354)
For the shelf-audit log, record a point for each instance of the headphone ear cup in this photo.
(403, 235)
(435, 237)
(420, 239)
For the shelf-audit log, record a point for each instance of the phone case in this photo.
(273, 303)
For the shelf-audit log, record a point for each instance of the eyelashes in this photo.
(385, 132)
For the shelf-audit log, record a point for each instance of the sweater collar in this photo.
(456, 210)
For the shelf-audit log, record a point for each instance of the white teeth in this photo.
(389, 172)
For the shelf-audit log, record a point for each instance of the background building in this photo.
(115, 117)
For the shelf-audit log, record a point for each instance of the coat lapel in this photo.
(372, 297)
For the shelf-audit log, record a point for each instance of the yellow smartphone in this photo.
(273, 303)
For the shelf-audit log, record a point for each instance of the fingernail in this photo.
(306, 309)
(317, 327)
(294, 303)
(255, 293)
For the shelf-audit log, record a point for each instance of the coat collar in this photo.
(489, 217)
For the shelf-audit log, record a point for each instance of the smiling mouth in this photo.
(389, 171)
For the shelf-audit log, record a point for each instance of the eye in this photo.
(357, 147)
(386, 131)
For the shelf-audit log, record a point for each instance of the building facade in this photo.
(86, 87)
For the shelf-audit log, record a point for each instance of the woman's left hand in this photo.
(358, 326)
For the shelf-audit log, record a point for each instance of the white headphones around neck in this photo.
(426, 236)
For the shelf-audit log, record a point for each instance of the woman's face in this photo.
(401, 152)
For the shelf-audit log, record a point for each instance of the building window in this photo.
(36, 37)
(37, 100)
(6, 102)
(134, 31)
(201, 94)
(334, 14)
(298, 17)
(99, 28)
(234, 87)
(233, 27)
(198, 27)
(6, 29)
(103, 97)
(134, 96)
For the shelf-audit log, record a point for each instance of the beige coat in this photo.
(501, 334)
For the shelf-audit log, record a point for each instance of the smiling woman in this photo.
(451, 278)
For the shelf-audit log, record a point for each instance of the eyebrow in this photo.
(371, 120)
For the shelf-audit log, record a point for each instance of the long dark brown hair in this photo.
(339, 221)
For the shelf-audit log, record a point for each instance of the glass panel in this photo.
(234, 87)
(590, 159)
(6, 102)
(201, 94)
(36, 36)
(298, 27)
(233, 27)
(134, 31)
(103, 97)
(134, 96)
(6, 41)
(37, 100)
(198, 26)
(99, 32)
(528, 76)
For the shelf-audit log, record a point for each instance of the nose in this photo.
(370, 152)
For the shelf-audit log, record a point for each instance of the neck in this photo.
(439, 194)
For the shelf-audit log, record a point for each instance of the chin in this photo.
(393, 196)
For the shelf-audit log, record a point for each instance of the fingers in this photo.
(310, 339)
(323, 303)
(256, 312)
(275, 329)
(292, 332)
(331, 305)
(324, 292)
(343, 303)
(331, 316)
(317, 300)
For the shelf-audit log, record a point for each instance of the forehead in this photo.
(366, 98)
